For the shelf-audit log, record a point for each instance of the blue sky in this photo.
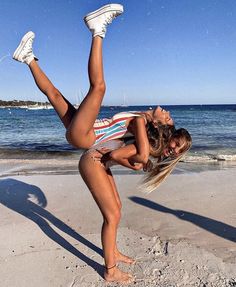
(157, 52)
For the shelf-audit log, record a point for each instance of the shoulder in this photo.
(139, 121)
(141, 117)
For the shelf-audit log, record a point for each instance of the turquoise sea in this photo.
(39, 134)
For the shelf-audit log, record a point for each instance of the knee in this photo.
(114, 218)
(98, 87)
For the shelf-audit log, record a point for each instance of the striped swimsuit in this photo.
(113, 128)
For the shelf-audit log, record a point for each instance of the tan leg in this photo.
(63, 107)
(97, 180)
(118, 255)
(87, 113)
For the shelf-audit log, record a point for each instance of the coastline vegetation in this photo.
(22, 104)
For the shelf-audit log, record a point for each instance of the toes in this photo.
(130, 280)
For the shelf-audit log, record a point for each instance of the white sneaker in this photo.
(97, 21)
(24, 52)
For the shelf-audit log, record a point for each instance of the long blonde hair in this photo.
(164, 166)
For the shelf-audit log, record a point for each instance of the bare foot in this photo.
(123, 258)
(116, 275)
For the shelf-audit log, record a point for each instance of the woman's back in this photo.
(113, 128)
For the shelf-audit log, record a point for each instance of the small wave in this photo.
(226, 157)
(209, 158)
(37, 147)
(11, 153)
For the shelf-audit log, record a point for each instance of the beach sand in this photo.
(182, 234)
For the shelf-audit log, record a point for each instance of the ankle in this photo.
(110, 269)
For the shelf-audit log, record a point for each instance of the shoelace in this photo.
(108, 21)
(28, 46)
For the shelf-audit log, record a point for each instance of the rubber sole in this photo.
(104, 9)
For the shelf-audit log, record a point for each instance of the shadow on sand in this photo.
(17, 196)
(216, 227)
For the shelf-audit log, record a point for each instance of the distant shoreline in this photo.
(23, 104)
(26, 104)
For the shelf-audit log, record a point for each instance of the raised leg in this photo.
(24, 54)
(80, 132)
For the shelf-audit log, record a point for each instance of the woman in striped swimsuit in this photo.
(83, 130)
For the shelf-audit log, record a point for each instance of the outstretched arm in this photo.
(122, 156)
(125, 156)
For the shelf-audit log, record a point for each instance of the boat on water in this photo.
(40, 107)
(124, 104)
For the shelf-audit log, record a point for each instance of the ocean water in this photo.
(39, 134)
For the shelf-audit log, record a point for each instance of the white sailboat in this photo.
(124, 101)
(79, 98)
(39, 105)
